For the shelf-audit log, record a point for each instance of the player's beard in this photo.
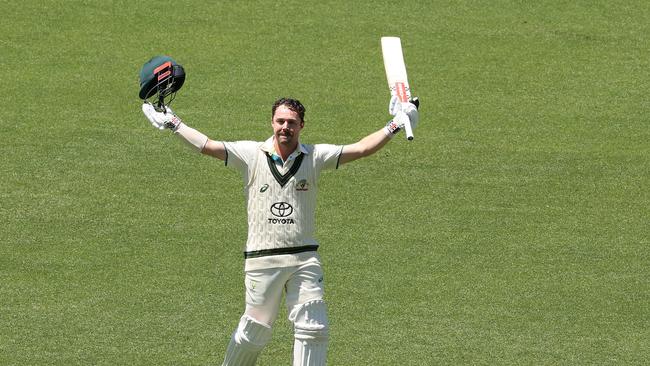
(285, 137)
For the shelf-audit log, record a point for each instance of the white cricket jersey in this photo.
(280, 199)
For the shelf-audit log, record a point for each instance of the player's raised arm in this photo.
(195, 139)
(402, 113)
(160, 78)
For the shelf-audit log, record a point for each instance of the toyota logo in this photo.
(281, 209)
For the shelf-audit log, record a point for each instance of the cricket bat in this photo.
(398, 84)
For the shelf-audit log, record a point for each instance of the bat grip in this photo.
(408, 129)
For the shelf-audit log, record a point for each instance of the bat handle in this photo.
(409, 130)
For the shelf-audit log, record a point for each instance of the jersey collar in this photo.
(269, 148)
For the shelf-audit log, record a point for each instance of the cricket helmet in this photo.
(161, 75)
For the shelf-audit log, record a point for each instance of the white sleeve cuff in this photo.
(191, 136)
(388, 132)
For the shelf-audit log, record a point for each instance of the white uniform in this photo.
(281, 248)
(281, 200)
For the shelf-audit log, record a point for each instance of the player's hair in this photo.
(292, 104)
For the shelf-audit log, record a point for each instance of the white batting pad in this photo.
(247, 342)
(311, 334)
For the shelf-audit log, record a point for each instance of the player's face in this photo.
(286, 126)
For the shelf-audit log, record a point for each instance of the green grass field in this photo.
(512, 231)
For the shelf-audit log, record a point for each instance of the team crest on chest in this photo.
(302, 185)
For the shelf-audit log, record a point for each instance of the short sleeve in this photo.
(240, 154)
(327, 156)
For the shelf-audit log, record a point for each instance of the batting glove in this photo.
(394, 105)
(396, 124)
(161, 120)
(402, 113)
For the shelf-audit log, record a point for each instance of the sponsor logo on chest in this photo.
(281, 211)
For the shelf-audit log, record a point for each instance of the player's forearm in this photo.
(200, 142)
(190, 136)
(364, 147)
(373, 142)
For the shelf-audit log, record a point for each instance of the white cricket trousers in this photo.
(264, 289)
(303, 289)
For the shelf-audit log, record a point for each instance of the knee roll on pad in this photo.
(252, 334)
(310, 320)
(247, 342)
(311, 332)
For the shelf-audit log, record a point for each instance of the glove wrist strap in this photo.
(174, 123)
(392, 128)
